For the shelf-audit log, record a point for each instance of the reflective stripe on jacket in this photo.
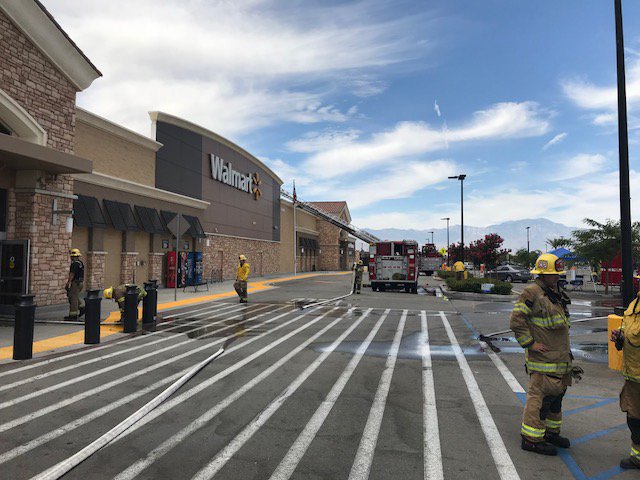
(631, 348)
(243, 272)
(536, 319)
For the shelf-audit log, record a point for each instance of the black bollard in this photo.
(92, 317)
(154, 303)
(23, 330)
(131, 309)
(148, 320)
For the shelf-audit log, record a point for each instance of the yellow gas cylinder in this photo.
(615, 356)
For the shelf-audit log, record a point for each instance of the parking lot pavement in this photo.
(384, 385)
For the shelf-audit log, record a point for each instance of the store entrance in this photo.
(14, 272)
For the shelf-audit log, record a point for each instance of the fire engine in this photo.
(394, 264)
(430, 259)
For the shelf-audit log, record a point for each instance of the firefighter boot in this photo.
(543, 448)
(557, 440)
(629, 463)
(71, 318)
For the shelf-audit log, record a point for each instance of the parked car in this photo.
(510, 273)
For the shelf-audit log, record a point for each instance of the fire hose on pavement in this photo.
(324, 302)
(488, 339)
(70, 463)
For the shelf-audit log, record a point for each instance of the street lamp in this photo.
(623, 150)
(447, 219)
(461, 177)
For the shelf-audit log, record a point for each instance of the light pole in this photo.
(447, 219)
(623, 145)
(431, 237)
(461, 177)
(528, 249)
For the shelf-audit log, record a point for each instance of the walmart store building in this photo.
(70, 178)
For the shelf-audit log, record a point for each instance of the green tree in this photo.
(487, 250)
(601, 242)
(526, 259)
(559, 242)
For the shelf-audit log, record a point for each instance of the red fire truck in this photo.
(394, 264)
(430, 259)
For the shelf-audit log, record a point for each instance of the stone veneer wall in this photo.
(31, 80)
(94, 271)
(128, 266)
(329, 243)
(155, 267)
(232, 247)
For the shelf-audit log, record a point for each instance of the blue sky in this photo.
(377, 102)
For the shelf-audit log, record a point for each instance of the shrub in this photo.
(501, 288)
(474, 285)
(444, 274)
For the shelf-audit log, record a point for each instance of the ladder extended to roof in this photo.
(332, 219)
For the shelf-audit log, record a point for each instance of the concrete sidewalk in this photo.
(52, 334)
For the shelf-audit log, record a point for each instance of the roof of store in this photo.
(47, 35)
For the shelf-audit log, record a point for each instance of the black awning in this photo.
(196, 228)
(149, 219)
(121, 215)
(87, 212)
(167, 217)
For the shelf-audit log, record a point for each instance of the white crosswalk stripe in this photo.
(364, 456)
(360, 340)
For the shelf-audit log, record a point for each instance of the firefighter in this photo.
(118, 294)
(242, 276)
(357, 280)
(540, 321)
(459, 269)
(75, 282)
(627, 339)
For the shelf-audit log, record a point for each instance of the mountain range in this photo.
(513, 232)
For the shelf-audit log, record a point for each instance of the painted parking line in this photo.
(501, 458)
(87, 394)
(119, 352)
(133, 396)
(95, 373)
(77, 338)
(431, 434)
(221, 459)
(364, 456)
(135, 469)
(297, 450)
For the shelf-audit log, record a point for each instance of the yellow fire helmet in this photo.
(75, 252)
(108, 292)
(548, 264)
(242, 257)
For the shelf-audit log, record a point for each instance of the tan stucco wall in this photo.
(113, 247)
(306, 224)
(114, 155)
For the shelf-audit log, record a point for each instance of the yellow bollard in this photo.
(615, 356)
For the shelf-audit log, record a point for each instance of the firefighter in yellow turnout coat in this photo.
(628, 340)
(242, 276)
(540, 321)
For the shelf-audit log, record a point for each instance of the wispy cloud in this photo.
(555, 140)
(410, 139)
(436, 108)
(235, 66)
(579, 166)
(588, 197)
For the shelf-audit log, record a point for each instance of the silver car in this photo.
(510, 273)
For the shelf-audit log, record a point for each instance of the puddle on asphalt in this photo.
(412, 348)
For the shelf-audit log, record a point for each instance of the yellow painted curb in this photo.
(61, 341)
(77, 338)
